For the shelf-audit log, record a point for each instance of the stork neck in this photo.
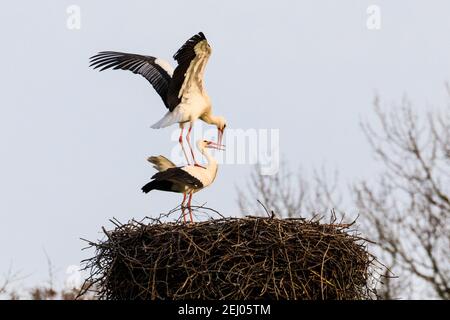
(209, 158)
(212, 163)
(209, 118)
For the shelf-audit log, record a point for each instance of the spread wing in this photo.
(191, 58)
(157, 71)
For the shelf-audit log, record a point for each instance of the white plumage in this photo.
(186, 179)
(181, 89)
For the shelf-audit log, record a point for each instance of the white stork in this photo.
(187, 179)
(182, 90)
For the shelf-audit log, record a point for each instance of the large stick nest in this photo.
(231, 258)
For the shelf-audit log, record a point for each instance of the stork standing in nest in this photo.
(182, 90)
(187, 179)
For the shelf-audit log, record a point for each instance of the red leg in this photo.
(180, 140)
(188, 138)
(183, 207)
(189, 206)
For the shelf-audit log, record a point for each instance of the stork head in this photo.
(203, 144)
(221, 125)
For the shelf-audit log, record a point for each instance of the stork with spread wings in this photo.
(182, 90)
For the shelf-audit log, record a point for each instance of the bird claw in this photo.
(198, 165)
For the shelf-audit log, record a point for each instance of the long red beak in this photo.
(219, 136)
(213, 145)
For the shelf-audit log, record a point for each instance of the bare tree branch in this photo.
(406, 211)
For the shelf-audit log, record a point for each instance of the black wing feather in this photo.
(138, 64)
(178, 175)
(186, 53)
(159, 185)
(183, 56)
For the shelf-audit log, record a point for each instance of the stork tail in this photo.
(168, 119)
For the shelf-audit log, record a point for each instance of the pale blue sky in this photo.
(74, 141)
